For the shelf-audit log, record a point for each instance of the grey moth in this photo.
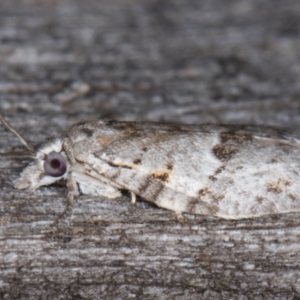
(231, 172)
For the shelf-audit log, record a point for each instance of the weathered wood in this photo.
(177, 61)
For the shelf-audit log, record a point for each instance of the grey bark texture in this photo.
(183, 61)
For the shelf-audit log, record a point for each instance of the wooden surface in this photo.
(175, 61)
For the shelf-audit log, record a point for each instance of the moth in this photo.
(232, 172)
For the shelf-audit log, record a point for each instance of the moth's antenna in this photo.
(29, 146)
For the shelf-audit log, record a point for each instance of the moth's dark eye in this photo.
(55, 165)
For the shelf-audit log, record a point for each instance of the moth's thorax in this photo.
(90, 137)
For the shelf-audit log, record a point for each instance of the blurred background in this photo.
(188, 61)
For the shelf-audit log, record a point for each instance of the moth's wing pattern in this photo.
(231, 172)
(160, 163)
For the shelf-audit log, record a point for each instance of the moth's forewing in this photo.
(231, 172)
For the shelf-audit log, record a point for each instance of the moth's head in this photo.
(50, 165)
(50, 162)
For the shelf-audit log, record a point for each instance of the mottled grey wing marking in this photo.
(150, 161)
(119, 132)
(153, 189)
(228, 171)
